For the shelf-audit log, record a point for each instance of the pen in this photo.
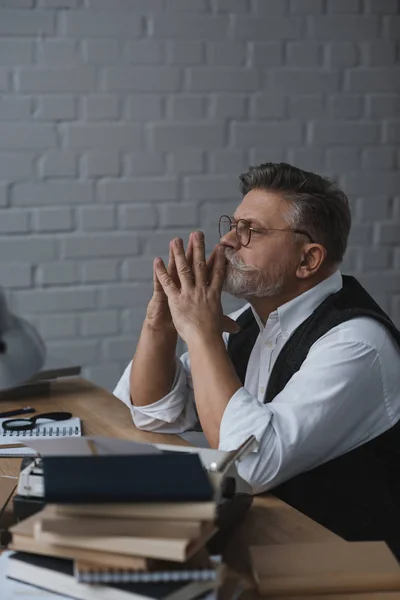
(18, 411)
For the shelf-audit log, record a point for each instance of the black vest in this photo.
(356, 495)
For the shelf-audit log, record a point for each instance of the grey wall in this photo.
(124, 123)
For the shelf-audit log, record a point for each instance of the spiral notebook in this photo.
(86, 573)
(12, 443)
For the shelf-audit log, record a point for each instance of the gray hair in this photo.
(315, 203)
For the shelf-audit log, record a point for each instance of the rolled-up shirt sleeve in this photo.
(174, 413)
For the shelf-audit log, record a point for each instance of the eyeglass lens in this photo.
(241, 226)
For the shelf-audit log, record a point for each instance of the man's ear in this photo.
(313, 257)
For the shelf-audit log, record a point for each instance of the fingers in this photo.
(172, 266)
(189, 251)
(157, 287)
(183, 269)
(164, 278)
(199, 259)
(218, 270)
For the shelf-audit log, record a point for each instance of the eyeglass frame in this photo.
(234, 223)
(30, 422)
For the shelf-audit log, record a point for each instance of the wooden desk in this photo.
(269, 521)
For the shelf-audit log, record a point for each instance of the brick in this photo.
(121, 348)
(186, 107)
(172, 26)
(105, 376)
(26, 136)
(179, 215)
(372, 259)
(226, 53)
(101, 322)
(53, 219)
(14, 165)
(375, 183)
(388, 233)
(4, 80)
(139, 6)
(144, 52)
(143, 79)
(145, 163)
(87, 23)
(378, 53)
(139, 189)
(391, 26)
(204, 135)
(58, 164)
(255, 28)
(267, 106)
(361, 235)
(229, 6)
(228, 106)
(3, 194)
(307, 158)
(125, 295)
(377, 79)
(26, 23)
(312, 80)
(27, 250)
(270, 7)
(117, 136)
(342, 54)
(145, 107)
(187, 160)
(227, 161)
(185, 52)
(344, 132)
(193, 5)
(59, 3)
(383, 281)
(54, 108)
(346, 106)
(211, 211)
(158, 242)
(132, 319)
(14, 221)
(307, 107)
(308, 7)
(99, 245)
(15, 53)
(266, 54)
(344, 6)
(63, 192)
(101, 107)
(102, 52)
(383, 105)
(56, 327)
(81, 352)
(380, 158)
(266, 154)
(139, 269)
(56, 80)
(58, 53)
(210, 186)
(137, 217)
(392, 131)
(16, 275)
(56, 273)
(373, 208)
(381, 6)
(254, 134)
(349, 27)
(96, 271)
(96, 218)
(301, 54)
(12, 108)
(343, 158)
(95, 164)
(224, 79)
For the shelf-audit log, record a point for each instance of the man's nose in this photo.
(230, 239)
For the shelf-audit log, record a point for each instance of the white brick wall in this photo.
(124, 123)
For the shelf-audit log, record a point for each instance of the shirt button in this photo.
(262, 390)
(269, 344)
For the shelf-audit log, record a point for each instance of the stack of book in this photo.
(126, 550)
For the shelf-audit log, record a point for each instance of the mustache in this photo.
(234, 260)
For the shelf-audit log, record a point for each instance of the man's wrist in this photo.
(166, 331)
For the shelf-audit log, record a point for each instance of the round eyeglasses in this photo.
(31, 422)
(244, 229)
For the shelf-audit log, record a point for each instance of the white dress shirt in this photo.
(346, 392)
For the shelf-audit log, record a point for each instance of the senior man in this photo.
(309, 366)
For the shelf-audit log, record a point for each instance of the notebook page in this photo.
(44, 431)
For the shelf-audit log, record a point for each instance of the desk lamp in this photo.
(22, 351)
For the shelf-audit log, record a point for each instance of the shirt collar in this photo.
(291, 314)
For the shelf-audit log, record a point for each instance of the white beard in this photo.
(243, 281)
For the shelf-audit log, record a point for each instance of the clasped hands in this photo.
(187, 293)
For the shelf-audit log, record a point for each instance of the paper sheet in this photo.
(11, 589)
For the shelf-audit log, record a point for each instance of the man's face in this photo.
(267, 265)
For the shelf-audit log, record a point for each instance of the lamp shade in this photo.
(22, 351)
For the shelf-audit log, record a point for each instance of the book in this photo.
(180, 511)
(324, 568)
(56, 575)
